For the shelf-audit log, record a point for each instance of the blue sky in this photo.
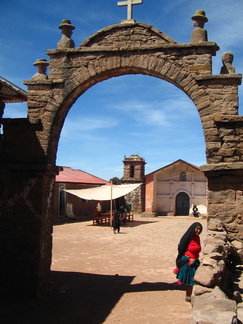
(125, 115)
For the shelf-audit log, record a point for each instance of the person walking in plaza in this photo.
(116, 222)
(187, 261)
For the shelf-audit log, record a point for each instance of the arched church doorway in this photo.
(182, 204)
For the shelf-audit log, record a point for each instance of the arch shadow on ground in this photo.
(77, 298)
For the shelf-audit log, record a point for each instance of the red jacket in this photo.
(194, 247)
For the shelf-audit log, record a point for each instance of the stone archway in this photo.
(29, 146)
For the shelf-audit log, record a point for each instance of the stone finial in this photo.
(41, 66)
(200, 16)
(227, 59)
(66, 41)
(199, 34)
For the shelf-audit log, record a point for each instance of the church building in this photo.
(175, 188)
(170, 190)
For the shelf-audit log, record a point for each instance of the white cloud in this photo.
(83, 126)
(147, 114)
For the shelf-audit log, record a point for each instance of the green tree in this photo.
(115, 181)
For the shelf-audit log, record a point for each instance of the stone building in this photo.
(175, 188)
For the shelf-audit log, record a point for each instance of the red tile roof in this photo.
(67, 174)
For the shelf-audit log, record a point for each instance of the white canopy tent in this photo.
(104, 192)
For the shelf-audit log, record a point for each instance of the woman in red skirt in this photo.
(187, 260)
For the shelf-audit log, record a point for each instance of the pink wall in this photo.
(149, 193)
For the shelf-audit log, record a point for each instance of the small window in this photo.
(132, 171)
(183, 176)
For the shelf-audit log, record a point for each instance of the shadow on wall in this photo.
(77, 298)
(20, 143)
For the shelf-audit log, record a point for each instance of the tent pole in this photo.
(111, 206)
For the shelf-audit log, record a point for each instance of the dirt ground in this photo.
(100, 277)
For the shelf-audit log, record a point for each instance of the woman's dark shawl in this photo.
(116, 220)
(184, 242)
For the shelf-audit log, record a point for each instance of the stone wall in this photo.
(135, 198)
(225, 197)
(213, 300)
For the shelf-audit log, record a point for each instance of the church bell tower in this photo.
(133, 172)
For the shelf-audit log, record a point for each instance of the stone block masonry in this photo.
(29, 146)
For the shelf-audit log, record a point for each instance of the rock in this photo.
(207, 317)
(237, 245)
(215, 225)
(207, 303)
(240, 312)
(216, 247)
(213, 307)
(208, 261)
(218, 293)
(208, 276)
(214, 236)
(200, 290)
(216, 256)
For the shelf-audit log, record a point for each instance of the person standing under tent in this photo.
(122, 214)
(99, 208)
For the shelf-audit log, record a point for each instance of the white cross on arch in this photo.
(129, 4)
